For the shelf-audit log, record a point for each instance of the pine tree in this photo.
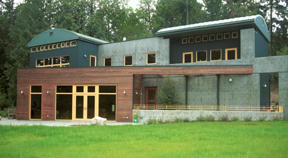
(167, 95)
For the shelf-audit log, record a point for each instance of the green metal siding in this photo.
(265, 91)
(261, 45)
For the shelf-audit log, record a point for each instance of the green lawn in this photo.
(195, 139)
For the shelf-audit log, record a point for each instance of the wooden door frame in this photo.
(146, 94)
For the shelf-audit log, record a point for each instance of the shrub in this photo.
(200, 118)
(224, 118)
(186, 120)
(151, 121)
(276, 118)
(167, 93)
(262, 118)
(248, 119)
(4, 113)
(234, 118)
(178, 120)
(209, 118)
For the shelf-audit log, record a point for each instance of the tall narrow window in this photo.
(92, 61)
(184, 40)
(128, 60)
(215, 54)
(35, 102)
(107, 62)
(201, 55)
(198, 39)
(212, 37)
(231, 54)
(187, 57)
(235, 35)
(205, 38)
(151, 58)
(227, 35)
(219, 36)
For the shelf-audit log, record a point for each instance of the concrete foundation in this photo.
(191, 115)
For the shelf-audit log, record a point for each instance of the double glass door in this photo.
(85, 102)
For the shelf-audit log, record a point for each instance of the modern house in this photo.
(77, 77)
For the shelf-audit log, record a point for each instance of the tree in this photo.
(167, 93)
(173, 13)
(145, 13)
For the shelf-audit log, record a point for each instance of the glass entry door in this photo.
(85, 102)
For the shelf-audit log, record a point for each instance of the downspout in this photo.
(218, 92)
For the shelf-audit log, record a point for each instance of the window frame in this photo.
(30, 98)
(52, 62)
(219, 34)
(184, 40)
(183, 57)
(203, 60)
(220, 54)
(227, 33)
(147, 55)
(198, 37)
(72, 45)
(228, 49)
(212, 35)
(105, 61)
(95, 60)
(189, 40)
(203, 38)
(125, 60)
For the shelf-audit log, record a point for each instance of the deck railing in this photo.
(209, 107)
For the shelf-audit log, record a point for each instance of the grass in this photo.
(193, 139)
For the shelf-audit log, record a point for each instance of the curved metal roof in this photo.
(256, 20)
(60, 35)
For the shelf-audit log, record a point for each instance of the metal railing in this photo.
(209, 107)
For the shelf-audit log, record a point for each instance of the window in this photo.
(231, 54)
(184, 40)
(191, 40)
(187, 57)
(42, 48)
(215, 54)
(107, 89)
(128, 60)
(151, 58)
(46, 47)
(219, 36)
(201, 55)
(227, 35)
(35, 102)
(198, 39)
(212, 37)
(54, 46)
(92, 61)
(79, 89)
(91, 88)
(58, 45)
(67, 44)
(73, 43)
(53, 62)
(235, 35)
(205, 38)
(107, 62)
(63, 44)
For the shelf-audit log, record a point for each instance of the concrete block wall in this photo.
(138, 49)
(191, 115)
(283, 92)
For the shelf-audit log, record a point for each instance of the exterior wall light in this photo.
(21, 92)
(47, 92)
(265, 85)
(136, 93)
(230, 80)
(85, 55)
(124, 92)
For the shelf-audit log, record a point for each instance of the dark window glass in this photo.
(219, 36)
(191, 40)
(79, 106)
(68, 44)
(107, 89)
(198, 39)
(48, 61)
(108, 62)
(227, 35)
(91, 88)
(64, 89)
(34, 49)
(216, 54)
(187, 58)
(234, 34)
(37, 89)
(54, 46)
(64, 106)
(107, 106)
(46, 47)
(50, 46)
(231, 55)
(92, 61)
(40, 62)
(205, 38)
(79, 89)
(184, 40)
(58, 45)
(128, 60)
(212, 37)
(35, 106)
(91, 107)
(201, 56)
(151, 58)
(56, 60)
(63, 44)
(65, 59)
